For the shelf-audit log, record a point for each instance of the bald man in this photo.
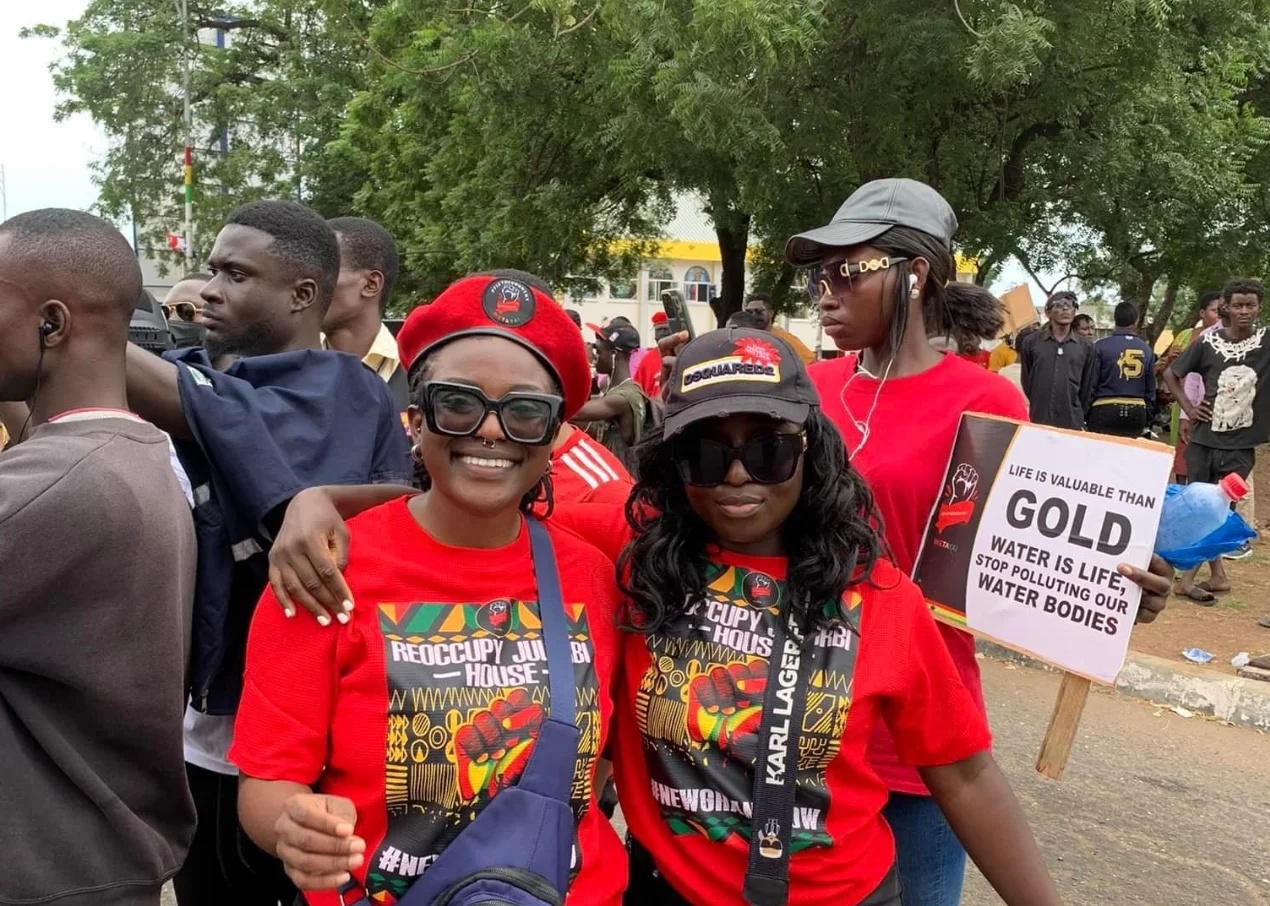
(97, 561)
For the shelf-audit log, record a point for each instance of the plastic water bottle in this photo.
(1198, 511)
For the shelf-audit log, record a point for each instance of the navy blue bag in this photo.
(518, 850)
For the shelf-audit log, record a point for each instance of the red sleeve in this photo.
(602, 525)
(648, 374)
(611, 493)
(932, 716)
(1003, 399)
(288, 692)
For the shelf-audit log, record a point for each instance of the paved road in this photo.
(1153, 810)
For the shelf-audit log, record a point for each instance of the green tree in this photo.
(264, 106)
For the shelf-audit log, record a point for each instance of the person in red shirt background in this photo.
(647, 370)
(366, 747)
(884, 268)
(748, 520)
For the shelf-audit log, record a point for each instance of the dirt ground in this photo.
(1231, 626)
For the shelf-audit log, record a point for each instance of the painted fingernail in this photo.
(342, 617)
(348, 605)
(324, 620)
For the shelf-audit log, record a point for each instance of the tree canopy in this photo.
(1122, 142)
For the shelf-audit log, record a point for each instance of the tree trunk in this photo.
(1161, 319)
(733, 229)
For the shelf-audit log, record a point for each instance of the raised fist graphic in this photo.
(725, 707)
(964, 483)
(492, 749)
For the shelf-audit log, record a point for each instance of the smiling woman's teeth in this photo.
(487, 463)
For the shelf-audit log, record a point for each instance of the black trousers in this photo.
(224, 867)
(648, 888)
(1117, 419)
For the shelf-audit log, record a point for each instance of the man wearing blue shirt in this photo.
(258, 414)
(1124, 383)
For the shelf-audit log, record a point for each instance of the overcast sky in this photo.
(45, 162)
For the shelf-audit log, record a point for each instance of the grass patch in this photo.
(1229, 603)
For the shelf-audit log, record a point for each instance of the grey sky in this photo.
(46, 162)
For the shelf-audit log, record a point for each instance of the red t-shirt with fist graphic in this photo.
(428, 701)
(690, 706)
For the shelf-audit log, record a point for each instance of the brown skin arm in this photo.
(1156, 584)
(153, 392)
(606, 409)
(311, 833)
(311, 548)
(1201, 413)
(982, 810)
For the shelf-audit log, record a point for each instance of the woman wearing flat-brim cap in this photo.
(882, 272)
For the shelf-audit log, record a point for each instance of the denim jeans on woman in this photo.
(930, 859)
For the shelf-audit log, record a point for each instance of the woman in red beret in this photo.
(367, 746)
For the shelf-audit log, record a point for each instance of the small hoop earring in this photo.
(416, 455)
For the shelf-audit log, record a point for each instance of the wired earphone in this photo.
(864, 427)
(45, 329)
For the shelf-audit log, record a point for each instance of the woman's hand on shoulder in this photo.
(315, 840)
(308, 556)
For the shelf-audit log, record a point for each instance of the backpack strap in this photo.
(555, 625)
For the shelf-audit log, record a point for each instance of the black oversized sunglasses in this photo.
(768, 458)
(457, 410)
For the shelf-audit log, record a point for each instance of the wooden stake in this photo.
(1060, 735)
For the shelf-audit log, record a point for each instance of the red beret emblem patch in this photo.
(508, 302)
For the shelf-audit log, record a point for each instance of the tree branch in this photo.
(582, 24)
(466, 58)
(957, 7)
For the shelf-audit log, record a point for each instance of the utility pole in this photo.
(183, 12)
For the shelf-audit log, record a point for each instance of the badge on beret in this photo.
(508, 302)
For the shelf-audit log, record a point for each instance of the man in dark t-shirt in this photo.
(1058, 368)
(1234, 415)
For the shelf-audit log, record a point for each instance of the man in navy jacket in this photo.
(1124, 384)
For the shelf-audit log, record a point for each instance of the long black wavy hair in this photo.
(832, 539)
(540, 493)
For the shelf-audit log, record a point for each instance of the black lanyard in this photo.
(776, 768)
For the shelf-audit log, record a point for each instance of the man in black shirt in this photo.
(1124, 388)
(1234, 415)
(1058, 368)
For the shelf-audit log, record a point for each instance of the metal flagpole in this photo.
(183, 11)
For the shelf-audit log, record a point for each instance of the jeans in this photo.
(931, 861)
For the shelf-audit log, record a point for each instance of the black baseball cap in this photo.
(871, 210)
(620, 333)
(737, 370)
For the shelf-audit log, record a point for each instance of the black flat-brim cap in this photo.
(871, 210)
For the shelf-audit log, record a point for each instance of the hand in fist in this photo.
(493, 748)
(316, 842)
(725, 706)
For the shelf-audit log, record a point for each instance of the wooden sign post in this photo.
(1064, 722)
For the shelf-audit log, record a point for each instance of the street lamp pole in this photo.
(183, 11)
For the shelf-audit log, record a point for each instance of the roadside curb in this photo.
(1243, 702)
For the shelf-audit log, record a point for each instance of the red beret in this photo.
(502, 307)
(659, 317)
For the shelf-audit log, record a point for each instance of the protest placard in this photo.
(1024, 543)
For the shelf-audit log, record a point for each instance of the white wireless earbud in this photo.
(912, 281)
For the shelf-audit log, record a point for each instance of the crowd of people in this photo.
(308, 653)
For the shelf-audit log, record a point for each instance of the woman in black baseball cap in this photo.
(884, 276)
(768, 637)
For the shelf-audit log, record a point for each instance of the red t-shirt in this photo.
(582, 471)
(910, 438)
(982, 358)
(690, 706)
(647, 374)
(428, 701)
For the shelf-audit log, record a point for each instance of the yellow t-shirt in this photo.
(1002, 357)
(798, 345)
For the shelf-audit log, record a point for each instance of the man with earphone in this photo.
(97, 563)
